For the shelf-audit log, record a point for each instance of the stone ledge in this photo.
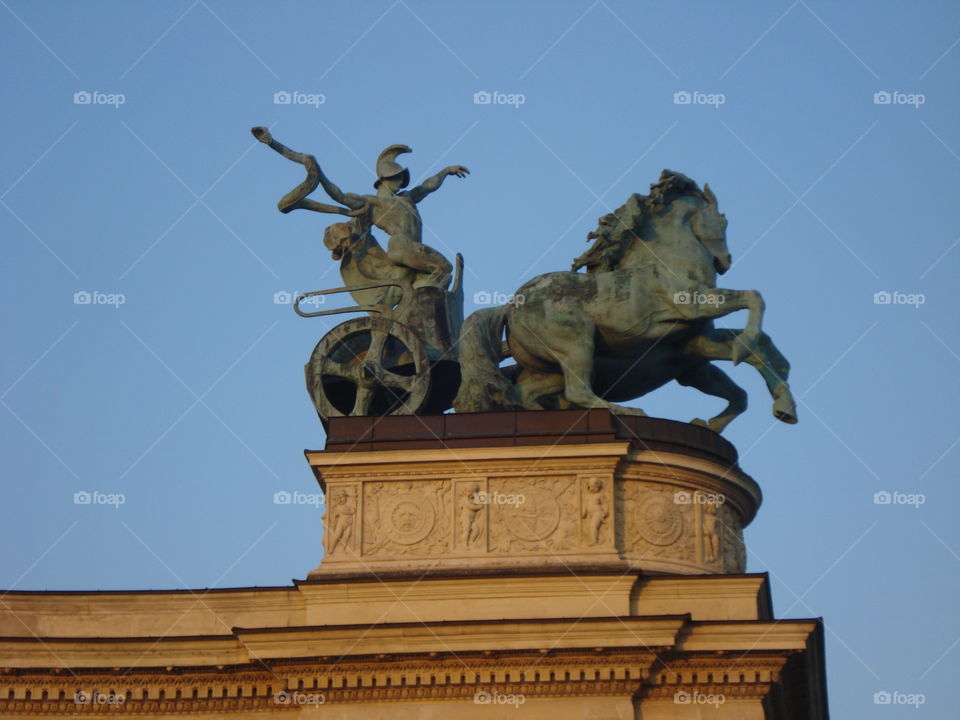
(657, 634)
(355, 597)
(546, 427)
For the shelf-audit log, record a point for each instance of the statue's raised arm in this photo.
(297, 198)
(433, 184)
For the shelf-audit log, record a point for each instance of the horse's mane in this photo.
(616, 231)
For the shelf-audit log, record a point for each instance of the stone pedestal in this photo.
(547, 489)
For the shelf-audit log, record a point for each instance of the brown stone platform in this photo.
(508, 429)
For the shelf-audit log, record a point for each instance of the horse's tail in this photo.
(482, 386)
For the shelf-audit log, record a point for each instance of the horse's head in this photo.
(677, 224)
(709, 226)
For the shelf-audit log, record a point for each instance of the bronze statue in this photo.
(392, 210)
(641, 316)
(402, 358)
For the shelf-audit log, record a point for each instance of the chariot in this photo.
(399, 360)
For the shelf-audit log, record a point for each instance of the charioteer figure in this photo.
(393, 209)
(402, 358)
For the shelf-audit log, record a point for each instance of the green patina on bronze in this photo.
(400, 359)
(641, 315)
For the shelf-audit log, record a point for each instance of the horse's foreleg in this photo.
(712, 380)
(717, 302)
(750, 337)
(766, 358)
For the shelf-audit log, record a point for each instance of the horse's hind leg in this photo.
(540, 390)
(710, 379)
(766, 358)
(576, 361)
(561, 336)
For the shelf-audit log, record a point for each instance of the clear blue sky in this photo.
(188, 399)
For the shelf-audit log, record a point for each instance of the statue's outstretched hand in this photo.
(458, 170)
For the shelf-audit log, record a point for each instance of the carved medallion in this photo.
(535, 518)
(408, 518)
(659, 521)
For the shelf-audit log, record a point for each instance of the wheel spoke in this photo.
(395, 380)
(361, 405)
(378, 339)
(346, 370)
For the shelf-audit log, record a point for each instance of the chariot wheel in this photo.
(369, 366)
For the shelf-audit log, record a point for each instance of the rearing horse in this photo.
(641, 316)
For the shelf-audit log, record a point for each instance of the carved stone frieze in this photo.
(545, 506)
(407, 518)
(340, 520)
(698, 529)
(539, 514)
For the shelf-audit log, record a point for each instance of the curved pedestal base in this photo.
(578, 490)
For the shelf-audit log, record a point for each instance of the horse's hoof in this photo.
(714, 425)
(785, 409)
(623, 410)
(787, 416)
